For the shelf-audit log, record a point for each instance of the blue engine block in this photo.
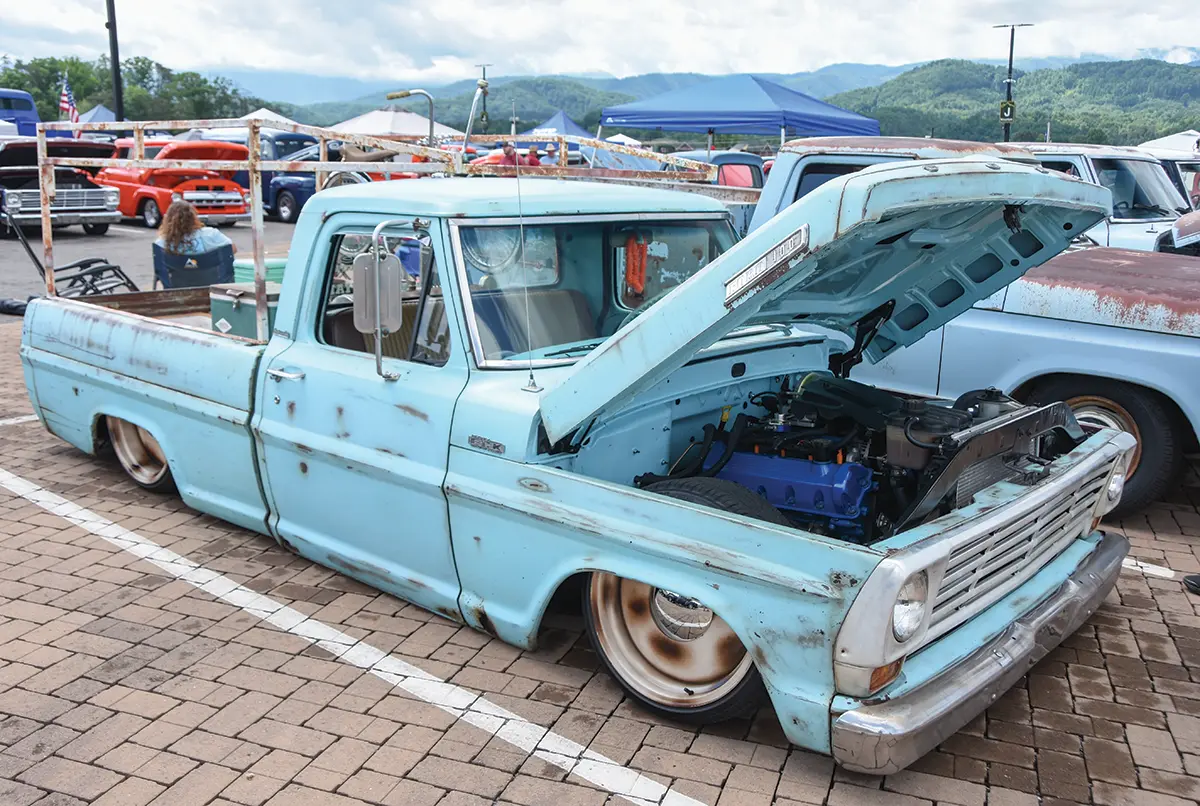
(825, 489)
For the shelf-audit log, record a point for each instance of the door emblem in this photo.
(485, 444)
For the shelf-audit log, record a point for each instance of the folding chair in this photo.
(193, 271)
(82, 278)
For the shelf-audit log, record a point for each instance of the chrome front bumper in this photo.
(65, 218)
(223, 218)
(885, 738)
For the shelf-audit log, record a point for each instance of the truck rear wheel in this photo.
(140, 455)
(1098, 402)
(95, 229)
(670, 652)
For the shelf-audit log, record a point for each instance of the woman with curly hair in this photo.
(182, 233)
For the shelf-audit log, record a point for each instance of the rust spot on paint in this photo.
(291, 408)
(815, 638)
(409, 410)
(841, 580)
(300, 446)
(760, 658)
(449, 612)
(341, 411)
(666, 648)
(361, 570)
(342, 434)
(478, 540)
(482, 618)
(75, 389)
(304, 467)
(390, 452)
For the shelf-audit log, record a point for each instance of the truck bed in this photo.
(150, 358)
(181, 306)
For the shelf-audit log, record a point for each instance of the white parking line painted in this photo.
(471, 708)
(1147, 568)
(129, 228)
(28, 418)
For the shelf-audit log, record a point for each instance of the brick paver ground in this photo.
(122, 686)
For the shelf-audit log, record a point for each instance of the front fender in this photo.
(519, 530)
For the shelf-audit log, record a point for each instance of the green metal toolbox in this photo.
(233, 310)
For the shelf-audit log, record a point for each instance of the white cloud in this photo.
(441, 41)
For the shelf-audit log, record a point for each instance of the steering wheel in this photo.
(645, 306)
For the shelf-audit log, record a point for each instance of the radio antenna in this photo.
(532, 386)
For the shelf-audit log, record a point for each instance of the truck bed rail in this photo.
(688, 174)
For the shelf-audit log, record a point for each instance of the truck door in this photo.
(354, 463)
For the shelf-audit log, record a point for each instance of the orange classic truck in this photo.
(147, 192)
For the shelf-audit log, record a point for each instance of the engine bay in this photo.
(851, 461)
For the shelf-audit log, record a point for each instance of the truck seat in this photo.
(556, 316)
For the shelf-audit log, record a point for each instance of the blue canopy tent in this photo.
(739, 104)
(556, 124)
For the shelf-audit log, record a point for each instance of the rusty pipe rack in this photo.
(435, 161)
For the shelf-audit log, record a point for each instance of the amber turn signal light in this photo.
(885, 674)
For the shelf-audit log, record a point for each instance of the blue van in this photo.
(17, 106)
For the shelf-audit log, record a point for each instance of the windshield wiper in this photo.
(1153, 208)
(584, 348)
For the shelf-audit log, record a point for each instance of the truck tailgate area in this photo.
(192, 389)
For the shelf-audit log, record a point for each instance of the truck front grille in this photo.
(66, 199)
(213, 198)
(985, 568)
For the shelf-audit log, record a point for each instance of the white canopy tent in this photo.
(1180, 141)
(266, 114)
(393, 122)
(625, 140)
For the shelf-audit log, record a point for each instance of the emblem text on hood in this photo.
(766, 270)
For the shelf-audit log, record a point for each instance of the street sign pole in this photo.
(1008, 108)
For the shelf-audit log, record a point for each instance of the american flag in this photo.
(66, 103)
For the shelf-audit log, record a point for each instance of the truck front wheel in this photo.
(151, 215)
(1097, 402)
(140, 455)
(670, 652)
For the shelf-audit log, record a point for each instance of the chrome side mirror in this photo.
(378, 283)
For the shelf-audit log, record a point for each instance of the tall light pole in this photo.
(483, 118)
(1008, 110)
(115, 56)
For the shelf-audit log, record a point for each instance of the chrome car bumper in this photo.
(223, 218)
(885, 738)
(65, 218)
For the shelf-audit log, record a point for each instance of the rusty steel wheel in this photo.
(1101, 412)
(670, 652)
(140, 455)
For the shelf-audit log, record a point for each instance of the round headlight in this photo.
(12, 201)
(1116, 486)
(909, 610)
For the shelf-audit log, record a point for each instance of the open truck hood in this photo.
(913, 244)
(24, 152)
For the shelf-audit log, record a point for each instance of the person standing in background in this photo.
(551, 155)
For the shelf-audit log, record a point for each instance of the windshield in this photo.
(578, 281)
(1140, 189)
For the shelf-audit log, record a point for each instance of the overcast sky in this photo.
(442, 40)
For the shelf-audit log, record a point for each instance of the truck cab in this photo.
(1146, 200)
(1184, 169)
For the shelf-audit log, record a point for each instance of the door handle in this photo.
(284, 375)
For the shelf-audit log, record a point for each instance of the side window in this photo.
(739, 176)
(1062, 166)
(818, 173)
(424, 342)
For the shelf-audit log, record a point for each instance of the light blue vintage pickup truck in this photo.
(571, 382)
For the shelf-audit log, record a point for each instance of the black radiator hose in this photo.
(735, 435)
(688, 470)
